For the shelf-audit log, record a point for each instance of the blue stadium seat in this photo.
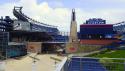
(85, 64)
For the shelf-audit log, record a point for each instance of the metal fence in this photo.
(4, 38)
(10, 49)
(94, 64)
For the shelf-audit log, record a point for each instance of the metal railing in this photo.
(63, 66)
(93, 64)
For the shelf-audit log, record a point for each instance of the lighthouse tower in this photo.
(72, 45)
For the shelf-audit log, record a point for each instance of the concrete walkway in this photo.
(44, 64)
(26, 63)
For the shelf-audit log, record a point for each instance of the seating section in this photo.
(60, 38)
(36, 27)
(85, 64)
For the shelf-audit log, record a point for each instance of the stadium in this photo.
(82, 51)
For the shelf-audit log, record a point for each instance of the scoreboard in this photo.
(95, 21)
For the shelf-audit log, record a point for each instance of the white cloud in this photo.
(56, 3)
(60, 16)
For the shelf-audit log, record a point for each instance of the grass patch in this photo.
(109, 54)
(88, 48)
(111, 65)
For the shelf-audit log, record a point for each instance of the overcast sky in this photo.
(58, 12)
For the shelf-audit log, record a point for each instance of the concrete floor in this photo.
(26, 63)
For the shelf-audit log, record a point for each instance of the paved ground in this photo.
(25, 63)
(44, 64)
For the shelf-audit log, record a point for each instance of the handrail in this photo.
(99, 58)
(61, 65)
